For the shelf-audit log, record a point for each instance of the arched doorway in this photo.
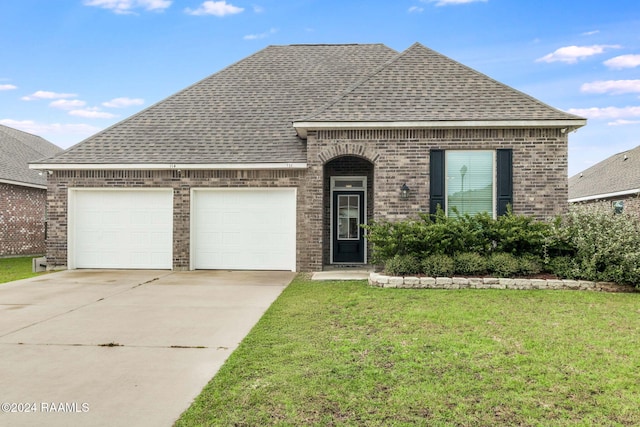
(347, 204)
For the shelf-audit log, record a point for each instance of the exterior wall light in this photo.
(404, 191)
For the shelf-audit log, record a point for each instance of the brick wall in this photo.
(402, 156)
(22, 216)
(631, 204)
(181, 182)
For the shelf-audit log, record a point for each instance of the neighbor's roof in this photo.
(615, 176)
(242, 114)
(250, 111)
(17, 150)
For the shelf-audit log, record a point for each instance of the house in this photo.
(614, 182)
(23, 192)
(273, 162)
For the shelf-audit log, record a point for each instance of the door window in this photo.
(348, 217)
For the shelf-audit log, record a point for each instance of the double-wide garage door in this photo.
(252, 229)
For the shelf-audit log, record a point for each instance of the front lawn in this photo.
(15, 269)
(343, 353)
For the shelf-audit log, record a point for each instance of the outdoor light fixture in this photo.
(404, 191)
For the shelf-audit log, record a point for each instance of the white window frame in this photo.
(494, 177)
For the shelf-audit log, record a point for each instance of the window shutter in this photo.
(436, 180)
(504, 161)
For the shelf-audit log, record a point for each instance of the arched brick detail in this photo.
(348, 149)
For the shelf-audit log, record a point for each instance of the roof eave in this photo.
(302, 127)
(23, 184)
(167, 166)
(605, 195)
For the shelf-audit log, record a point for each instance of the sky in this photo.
(70, 68)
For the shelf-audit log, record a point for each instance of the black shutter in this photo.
(436, 180)
(504, 185)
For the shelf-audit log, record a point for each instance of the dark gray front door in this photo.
(348, 236)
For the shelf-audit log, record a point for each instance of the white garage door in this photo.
(121, 229)
(244, 229)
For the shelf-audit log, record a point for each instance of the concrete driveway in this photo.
(121, 347)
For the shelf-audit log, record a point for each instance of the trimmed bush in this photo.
(529, 265)
(402, 265)
(503, 265)
(470, 264)
(438, 265)
(564, 267)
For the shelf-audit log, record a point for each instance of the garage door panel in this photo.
(244, 229)
(122, 229)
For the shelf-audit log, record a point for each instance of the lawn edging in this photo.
(415, 282)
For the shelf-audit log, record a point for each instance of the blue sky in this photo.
(71, 68)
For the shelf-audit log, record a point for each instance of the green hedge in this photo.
(589, 242)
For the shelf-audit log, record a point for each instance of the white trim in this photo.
(166, 166)
(71, 215)
(605, 195)
(340, 190)
(303, 126)
(22, 184)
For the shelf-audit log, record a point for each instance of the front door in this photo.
(348, 236)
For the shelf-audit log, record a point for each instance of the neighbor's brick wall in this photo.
(402, 156)
(181, 183)
(22, 217)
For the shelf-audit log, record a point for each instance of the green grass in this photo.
(15, 269)
(343, 353)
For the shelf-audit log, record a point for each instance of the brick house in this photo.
(613, 182)
(273, 162)
(23, 192)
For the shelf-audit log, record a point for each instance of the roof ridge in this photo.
(358, 83)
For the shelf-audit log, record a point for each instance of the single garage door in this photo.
(244, 229)
(121, 228)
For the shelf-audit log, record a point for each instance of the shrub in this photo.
(438, 265)
(402, 265)
(605, 245)
(563, 266)
(470, 263)
(529, 265)
(503, 265)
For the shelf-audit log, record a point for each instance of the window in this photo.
(348, 217)
(471, 181)
(470, 186)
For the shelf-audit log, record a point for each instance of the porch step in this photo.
(358, 273)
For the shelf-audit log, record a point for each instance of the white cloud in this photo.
(8, 87)
(451, 2)
(416, 9)
(57, 128)
(623, 61)
(571, 54)
(123, 102)
(622, 122)
(590, 33)
(607, 112)
(258, 9)
(92, 113)
(215, 8)
(67, 104)
(261, 35)
(43, 94)
(124, 7)
(615, 87)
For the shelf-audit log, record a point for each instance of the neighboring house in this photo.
(23, 192)
(273, 162)
(614, 182)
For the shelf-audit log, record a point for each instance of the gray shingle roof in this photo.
(611, 175)
(17, 150)
(423, 85)
(242, 114)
